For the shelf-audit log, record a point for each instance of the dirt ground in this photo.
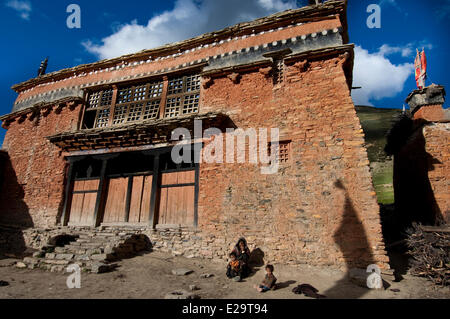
(150, 277)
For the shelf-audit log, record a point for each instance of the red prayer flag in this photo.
(424, 63)
(420, 65)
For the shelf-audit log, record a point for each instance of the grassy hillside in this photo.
(376, 123)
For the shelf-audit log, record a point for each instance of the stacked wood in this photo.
(430, 250)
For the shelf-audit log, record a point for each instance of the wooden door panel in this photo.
(186, 177)
(190, 205)
(169, 179)
(146, 199)
(91, 185)
(76, 209)
(177, 202)
(116, 200)
(136, 199)
(87, 215)
(163, 207)
(78, 186)
(83, 202)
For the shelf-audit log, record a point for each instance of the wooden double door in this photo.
(135, 188)
(128, 200)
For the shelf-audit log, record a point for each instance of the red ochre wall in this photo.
(320, 208)
(33, 188)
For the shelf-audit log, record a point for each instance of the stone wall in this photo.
(421, 176)
(35, 171)
(321, 207)
(3, 161)
(437, 137)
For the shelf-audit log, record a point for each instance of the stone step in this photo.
(93, 251)
(53, 256)
(96, 238)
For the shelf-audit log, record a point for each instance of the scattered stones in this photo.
(57, 269)
(193, 288)
(101, 268)
(359, 277)
(39, 254)
(205, 276)
(99, 257)
(91, 249)
(182, 272)
(65, 257)
(181, 295)
(21, 265)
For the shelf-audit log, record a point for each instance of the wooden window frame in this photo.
(99, 108)
(183, 94)
(163, 100)
(145, 101)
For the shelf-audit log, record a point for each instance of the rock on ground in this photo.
(182, 272)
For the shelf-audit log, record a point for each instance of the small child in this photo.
(269, 281)
(234, 267)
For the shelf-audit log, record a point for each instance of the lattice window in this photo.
(183, 96)
(193, 83)
(176, 86)
(148, 97)
(94, 100)
(107, 97)
(98, 108)
(120, 114)
(142, 101)
(283, 151)
(124, 95)
(278, 71)
(173, 107)
(191, 103)
(102, 118)
(135, 112)
(151, 110)
(140, 93)
(155, 90)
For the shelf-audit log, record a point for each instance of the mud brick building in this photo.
(422, 159)
(90, 146)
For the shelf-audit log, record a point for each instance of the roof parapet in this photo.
(293, 16)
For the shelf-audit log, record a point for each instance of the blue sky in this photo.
(34, 29)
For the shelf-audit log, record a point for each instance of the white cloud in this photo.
(189, 18)
(22, 7)
(407, 51)
(378, 76)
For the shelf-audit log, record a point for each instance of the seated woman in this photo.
(243, 255)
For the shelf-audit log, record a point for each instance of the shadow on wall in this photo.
(415, 201)
(414, 196)
(14, 213)
(352, 241)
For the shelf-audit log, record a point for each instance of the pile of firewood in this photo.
(430, 251)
